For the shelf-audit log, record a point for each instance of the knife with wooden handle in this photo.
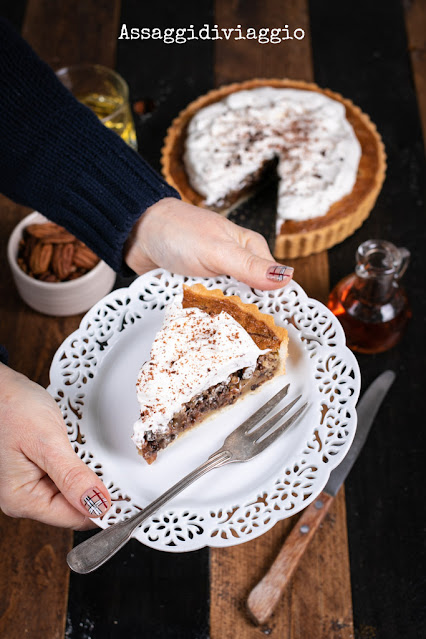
(265, 596)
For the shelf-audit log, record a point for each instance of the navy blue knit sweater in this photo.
(56, 157)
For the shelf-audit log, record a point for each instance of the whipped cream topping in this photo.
(190, 353)
(318, 152)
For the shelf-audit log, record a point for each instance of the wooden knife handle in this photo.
(265, 596)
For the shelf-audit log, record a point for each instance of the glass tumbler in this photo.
(106, 93)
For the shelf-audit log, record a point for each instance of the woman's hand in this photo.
(189, 240)
(41, 477)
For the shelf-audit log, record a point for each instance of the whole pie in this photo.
(327, 153)
(211, 350)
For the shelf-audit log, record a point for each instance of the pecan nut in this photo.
(84, 257)
(49, 232)
(40, 258)
(41, 230)
(62, 260)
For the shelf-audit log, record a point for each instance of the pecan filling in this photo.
(210, 400)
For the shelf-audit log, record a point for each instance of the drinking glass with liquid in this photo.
(106, 93)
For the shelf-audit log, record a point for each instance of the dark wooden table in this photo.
(364, 573)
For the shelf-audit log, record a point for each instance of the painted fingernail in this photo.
(278, 272)
(95, 502)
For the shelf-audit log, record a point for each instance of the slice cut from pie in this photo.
(211, 350)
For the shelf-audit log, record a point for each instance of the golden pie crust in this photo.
(260, 326)
(296, 239)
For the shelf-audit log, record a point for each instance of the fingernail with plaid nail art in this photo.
(278, 272)
(95, 502)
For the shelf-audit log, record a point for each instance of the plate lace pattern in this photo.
(336, 374)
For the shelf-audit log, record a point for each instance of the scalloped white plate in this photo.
(93, 377)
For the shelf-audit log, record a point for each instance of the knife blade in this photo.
(367, 410)
(264, 597)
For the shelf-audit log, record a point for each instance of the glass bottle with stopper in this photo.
(371, 304)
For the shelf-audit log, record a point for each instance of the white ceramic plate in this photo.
(93, 377)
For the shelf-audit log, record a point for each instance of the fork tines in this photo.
(264, 443)
(263, 411)
(256, 430)
(272, 421)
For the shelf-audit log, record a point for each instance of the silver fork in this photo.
(244, 443)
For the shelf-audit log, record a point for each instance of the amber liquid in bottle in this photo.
(370, 303)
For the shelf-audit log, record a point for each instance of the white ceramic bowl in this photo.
(57, 298)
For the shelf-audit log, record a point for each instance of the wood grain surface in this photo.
(318, 602)
(266, 595)
(359, 49)
(65, 33)
(415, 21)
(34, 575)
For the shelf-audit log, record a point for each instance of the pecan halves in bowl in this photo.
(50, 253)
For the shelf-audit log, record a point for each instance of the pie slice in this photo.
(330, 159)
(211, 350)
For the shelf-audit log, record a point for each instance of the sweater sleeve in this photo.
(58, 158)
